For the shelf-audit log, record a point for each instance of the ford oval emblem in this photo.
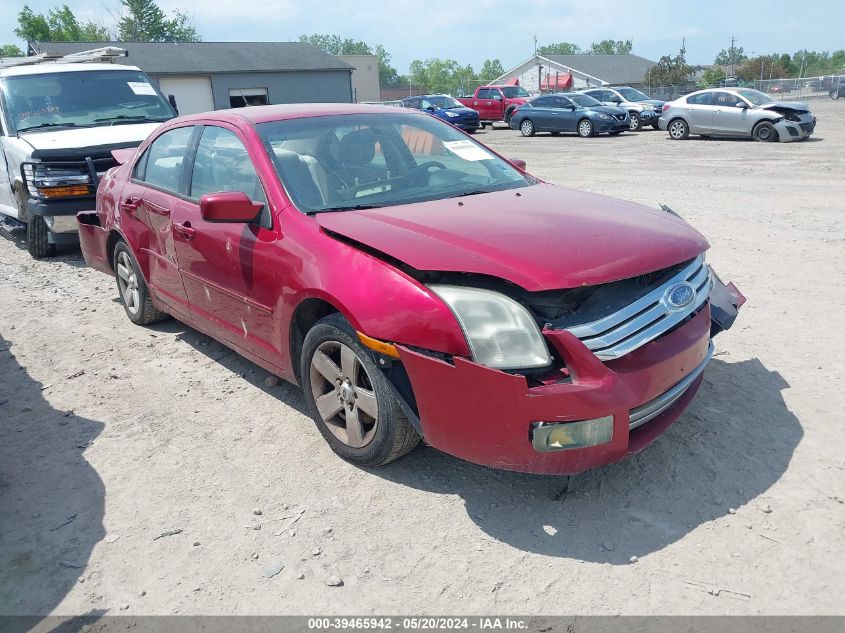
(680, 295)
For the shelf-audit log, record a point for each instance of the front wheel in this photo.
(349, 397)
(527, 127)
(678, 130)
(37, 240)
(585, 128)
(133, 291)
(765, 132)
(634, 122)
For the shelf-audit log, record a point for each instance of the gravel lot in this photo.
(112, 435)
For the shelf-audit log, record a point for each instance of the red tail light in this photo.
(666, 107)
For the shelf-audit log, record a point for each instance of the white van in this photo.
(60, 119)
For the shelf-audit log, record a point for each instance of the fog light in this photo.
(553, 436)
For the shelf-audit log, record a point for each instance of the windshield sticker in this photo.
(467, 150)
(141, 88)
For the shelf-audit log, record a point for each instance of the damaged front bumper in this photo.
(598, 414)
(789, 131)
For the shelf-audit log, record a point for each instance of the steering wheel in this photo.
(423, 168)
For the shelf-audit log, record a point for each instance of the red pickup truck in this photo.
(496, 103)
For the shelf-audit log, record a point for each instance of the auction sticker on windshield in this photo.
(467, 150)
(141, 88)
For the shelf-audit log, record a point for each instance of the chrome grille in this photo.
(646, 318)
(651, 409)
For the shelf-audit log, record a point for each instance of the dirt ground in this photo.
(112, 435)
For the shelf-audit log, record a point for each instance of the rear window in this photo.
(703, 98)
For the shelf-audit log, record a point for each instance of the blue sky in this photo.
(471, 31)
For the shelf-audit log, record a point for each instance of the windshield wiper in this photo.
(474, 192)
(46, 125)
(354, 207)
(131, 118)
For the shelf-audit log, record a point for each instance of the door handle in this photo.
(157, 208)
(185, 230)
(130, 204)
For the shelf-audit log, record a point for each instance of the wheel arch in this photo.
(305, 315)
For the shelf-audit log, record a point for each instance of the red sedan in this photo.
(416, 284)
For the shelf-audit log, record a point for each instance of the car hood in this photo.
(461, 111)
(70, 138)
(608, 109)
(787, 105)
(540, 237)
(657, 103)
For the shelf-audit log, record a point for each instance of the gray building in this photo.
(206, 76)
(579, 71)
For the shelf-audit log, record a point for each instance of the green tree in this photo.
(611, 47)
(767, 67)
(10, 50)
(560, 48)
(144, 21)
(490, 70)
(711, 77)
(58, 25)
(725, 58)
(337, 45)
(441, 75)
(670, 71)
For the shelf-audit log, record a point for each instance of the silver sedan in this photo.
(737, 112)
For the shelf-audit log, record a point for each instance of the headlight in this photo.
(57, 180)
(500, 332)
(602, 115)
(452, 115)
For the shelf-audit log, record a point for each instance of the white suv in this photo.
(641, 109)
(60, 119)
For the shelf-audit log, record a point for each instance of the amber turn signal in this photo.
(63, 192)
(378, 346)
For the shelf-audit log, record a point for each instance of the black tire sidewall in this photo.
(37, 240)
(336, 328)
(523, 122)
(756, 132)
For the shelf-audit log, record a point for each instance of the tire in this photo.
(343, 371)
(37, 242)
(678, 129)
(834, 94)
(635, 124)
(527, 127)
(585, 128)
(764, 132)
(132, 289)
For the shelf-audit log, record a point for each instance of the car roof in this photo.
(61, 67)
(267, 113)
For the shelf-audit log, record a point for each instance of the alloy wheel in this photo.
(634, 122)
(527, 127)
(677, 129)
(127, 283)
(585, 128)
(344, 394)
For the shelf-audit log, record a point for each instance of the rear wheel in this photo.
(37, 240)
(678, 130)
(765, 132)
(133, 291)
(585, 128)
(527, 127)
(634, 122)
(349, 397)
(834, 94)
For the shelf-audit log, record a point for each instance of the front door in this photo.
(729, 118)
(230, 276)
(149, 197)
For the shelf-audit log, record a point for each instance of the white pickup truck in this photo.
(60, 119)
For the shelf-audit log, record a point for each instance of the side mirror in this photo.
(518, 163)
(172, 100)
(229, 206)
(742, 105)
(430, 108)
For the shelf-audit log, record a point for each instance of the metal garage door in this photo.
(193, 94)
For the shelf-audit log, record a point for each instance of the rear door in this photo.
(541, 113)
(698, 111)
(146, 204)
(230, 273)
(729, 118)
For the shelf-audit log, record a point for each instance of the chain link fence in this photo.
(782, 89)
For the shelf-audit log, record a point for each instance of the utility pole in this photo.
(733, 39)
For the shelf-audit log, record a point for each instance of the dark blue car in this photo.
(447, 108)
(569, 112)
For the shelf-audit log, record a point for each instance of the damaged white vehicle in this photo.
(739, 112)
(60, 119)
